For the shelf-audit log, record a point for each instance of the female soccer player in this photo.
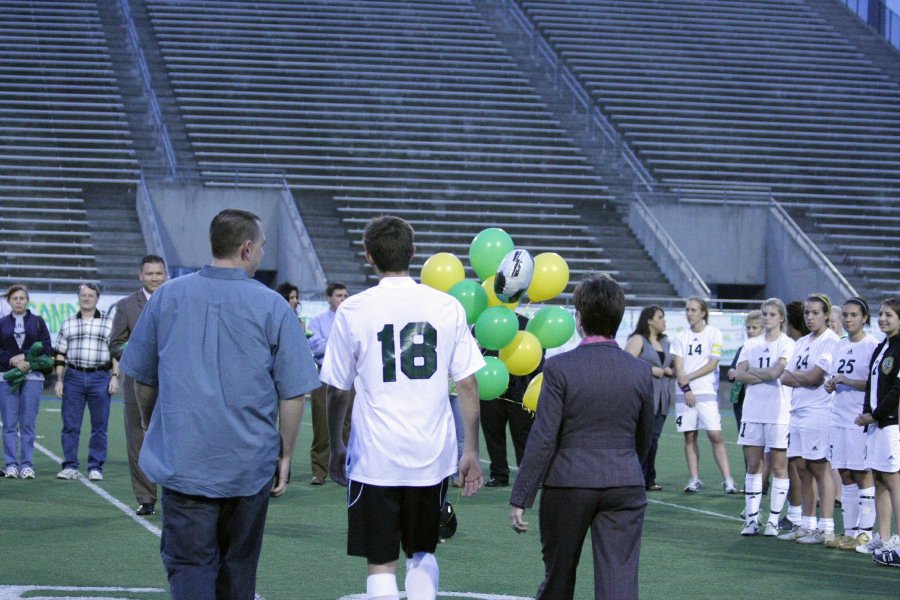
(810, 415)
(696, 355)
(766, 415)
(883, 441)
(846, 439)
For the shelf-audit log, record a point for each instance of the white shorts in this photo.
(810, 443)
(883, 448)
(768, 435)
(847, 448)
(703, 415)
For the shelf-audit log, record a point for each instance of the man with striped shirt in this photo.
(86, 374)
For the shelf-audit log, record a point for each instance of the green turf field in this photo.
(71, 534)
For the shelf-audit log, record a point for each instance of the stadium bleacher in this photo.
(724, 92)
(388, 106)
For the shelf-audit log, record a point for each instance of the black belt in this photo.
(87, 370)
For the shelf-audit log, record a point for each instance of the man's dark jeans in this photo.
(210, 546)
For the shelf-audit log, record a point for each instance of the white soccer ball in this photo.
(514, 275)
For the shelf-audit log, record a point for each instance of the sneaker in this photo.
(68, 473)
(751, 527)
(729, 488)
(785, 524)
(27, 473)
(694, 487)
(771, 530)
(838, 541)
(889, 554)
(794, 534)
(95, 475)
(871, 546)
(817, 536)
(12, 473)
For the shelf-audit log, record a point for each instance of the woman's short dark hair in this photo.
(230, 228)
(601, 303)
(16, 287)
(389, 241)
(286, 288)
(643, 322)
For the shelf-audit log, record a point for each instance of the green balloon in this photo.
(496, 327)
(487, 250)
(493, 378)
(553, 326)
(472, 297)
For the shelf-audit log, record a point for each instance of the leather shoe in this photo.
(317, 480)
(496, 483)
(145, 509)
(654, 487)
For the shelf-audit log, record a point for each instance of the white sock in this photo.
(795, 515)
(826, 525)
(808, 522)
(382, 586)
(779, 493)
(850, 508)
(866, 509)
(422, 575)
(752, 496)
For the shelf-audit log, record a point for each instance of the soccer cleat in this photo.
(839, 540)
(771, 530)
(95, 475)
(794, 534)
(12, 473)
(729, 488)
(751, 527)
(871, 546)
(68, 473)
(816, 536)
(694, 487)
(852, 542)
(27, 473)
(785, 524)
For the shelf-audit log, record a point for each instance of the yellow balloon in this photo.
(523, 354)
(551, 276)
(533, 392)
(493, 300)
(442, 271)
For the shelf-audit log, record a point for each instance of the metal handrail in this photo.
(681, 262)
(149, 219)
(310, 256)
(155, 110)
(582, 96)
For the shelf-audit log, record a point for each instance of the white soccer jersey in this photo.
(695, 350)
(852, 360)
(809, 353)
(767, 402)
(397, 343)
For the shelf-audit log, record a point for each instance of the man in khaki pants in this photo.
(320, 326)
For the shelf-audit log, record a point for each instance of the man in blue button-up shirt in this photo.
(221, 368)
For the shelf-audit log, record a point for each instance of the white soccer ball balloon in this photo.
(514, 275)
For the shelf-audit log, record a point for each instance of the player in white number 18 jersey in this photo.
(397, 343)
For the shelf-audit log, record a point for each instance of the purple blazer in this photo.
(594, 423)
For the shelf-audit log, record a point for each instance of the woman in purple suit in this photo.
(593, 429)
